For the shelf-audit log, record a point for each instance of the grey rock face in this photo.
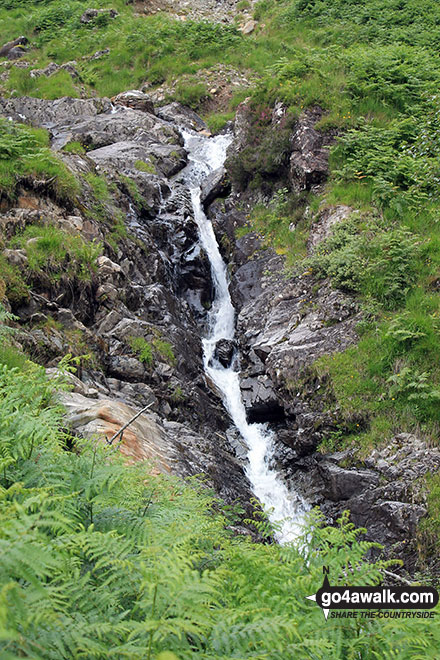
(40, 112)
(182, 116)
(151, 285)
(309, 158)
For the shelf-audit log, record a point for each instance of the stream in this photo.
(284, 507)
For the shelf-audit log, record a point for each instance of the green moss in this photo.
(142, 166)
(74, 148)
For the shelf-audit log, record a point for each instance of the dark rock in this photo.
(342, 484)
(217, 184)
(224, 352)
(260, 400)
(126, 368)
(15, 49)
(17, 53)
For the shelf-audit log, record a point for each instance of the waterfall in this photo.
(283, 505)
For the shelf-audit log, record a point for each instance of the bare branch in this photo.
(133, 419)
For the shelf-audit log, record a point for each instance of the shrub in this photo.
(378, 264)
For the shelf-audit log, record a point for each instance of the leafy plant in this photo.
(123, 562)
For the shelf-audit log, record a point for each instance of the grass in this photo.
(25, 157)
(143, 166)
(148, 351)
(56, 254)
(12, 358)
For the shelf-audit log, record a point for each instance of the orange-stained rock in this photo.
(142, 440)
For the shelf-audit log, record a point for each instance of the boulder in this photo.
(248, 27)
(224, 352)
(126, 368)
(142, 440)
(135, 99)
(182, 116)
(217, 184)
(15, 49)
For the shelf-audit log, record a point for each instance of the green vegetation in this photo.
(142, 348)
(26, 157)
(74, 148)
(281, 224)
(10, 355)
(190, 94)
(103, 559)
(21, 83)
(142, 166)
(12, 284)
(56, 254)
(147, 351)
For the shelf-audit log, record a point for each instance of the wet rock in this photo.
(217, 184)
(260, 400)
(135, 99)
(224, 352)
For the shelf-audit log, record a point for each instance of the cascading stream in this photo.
(205, 156)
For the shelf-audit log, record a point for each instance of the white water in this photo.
(283, 506)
